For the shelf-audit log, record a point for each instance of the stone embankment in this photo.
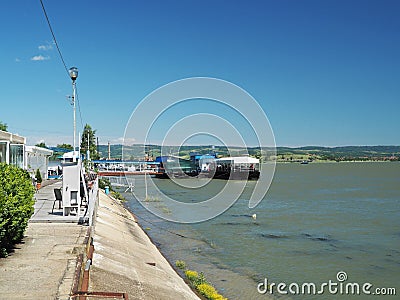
(125, 259)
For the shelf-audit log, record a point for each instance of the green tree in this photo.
(38, 176)
(65, 146)
(16, 205)
(3, 126)
(42, 145)
(89, 138)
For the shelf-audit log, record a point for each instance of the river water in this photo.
(315, 221)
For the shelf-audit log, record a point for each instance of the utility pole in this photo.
(88, 147)
(73, 73)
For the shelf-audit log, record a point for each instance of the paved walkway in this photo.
(43, 265)
(125, 260)
(44, 202)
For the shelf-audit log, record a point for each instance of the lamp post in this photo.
(73, 73)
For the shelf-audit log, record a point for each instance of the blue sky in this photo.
(325, 72)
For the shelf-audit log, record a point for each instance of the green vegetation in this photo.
(199, 282)
(152, 199)
(283, 154)
(16, 205)
(42, 145)
(118, 196)
(65, 146)
(180, 264)
(3, 126)
(347, 153)
(38, 176)
(88, 141)
(103, 182)
(209, 292)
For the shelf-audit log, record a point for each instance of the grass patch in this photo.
(118, 196)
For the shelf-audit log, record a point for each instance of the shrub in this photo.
(209, 292)
(199, 282)
(103, 182)
(191, 276)
(180, 264)
(16, 205)
(38, 176)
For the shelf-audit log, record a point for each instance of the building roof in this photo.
(12, 138)
(69, 155)
(39, 150)
(239, 160)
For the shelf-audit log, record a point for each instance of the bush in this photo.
(180, 264)
(103, 182)
(198, 281)
(209, 292)
(191, 276)
(16, 205)
(38, 176)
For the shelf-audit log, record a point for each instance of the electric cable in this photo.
(79, 108)
(54, 37)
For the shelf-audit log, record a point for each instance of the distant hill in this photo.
(342, 153)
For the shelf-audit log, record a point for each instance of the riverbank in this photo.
(125, 260)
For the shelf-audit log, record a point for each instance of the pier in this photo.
(127, 168)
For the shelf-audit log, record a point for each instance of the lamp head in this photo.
(73, 73)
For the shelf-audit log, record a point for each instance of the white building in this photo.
(13, 151)
(37, 158)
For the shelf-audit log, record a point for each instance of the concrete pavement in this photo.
(43, 206)
(43, 266)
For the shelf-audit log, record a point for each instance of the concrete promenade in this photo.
(44, 204)
(44, 265)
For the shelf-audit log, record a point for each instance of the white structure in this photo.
(37, 158)
(12, 149)
(71, 187)
(70, 156)
(241, 161)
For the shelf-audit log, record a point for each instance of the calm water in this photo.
(315, 221)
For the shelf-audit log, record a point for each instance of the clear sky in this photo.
(325, 72)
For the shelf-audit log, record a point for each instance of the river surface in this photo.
(315, 221)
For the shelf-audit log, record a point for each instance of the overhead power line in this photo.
(54, 37)
(79, 108)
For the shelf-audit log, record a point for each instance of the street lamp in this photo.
(73, 73)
